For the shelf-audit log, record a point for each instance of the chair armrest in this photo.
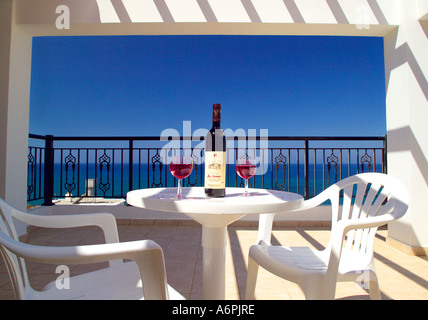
(371, 222)
(319, 199)
(146, 253)
(266, 219)
(105, 221)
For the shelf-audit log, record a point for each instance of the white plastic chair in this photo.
(370, 200)
(142, 278)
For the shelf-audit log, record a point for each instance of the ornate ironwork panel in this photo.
(104, 160)
(70, 161)
(280, 159)
(157, 161)
(30, 175)
(332, 159)
(366, 160)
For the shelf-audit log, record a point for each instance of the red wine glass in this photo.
(181, 167)
(246, 168)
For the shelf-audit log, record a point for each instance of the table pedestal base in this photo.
(214, 242)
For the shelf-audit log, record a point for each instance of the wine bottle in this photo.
(215, 158)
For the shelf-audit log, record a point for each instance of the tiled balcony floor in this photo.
(401, 276)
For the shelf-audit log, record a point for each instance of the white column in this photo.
(15, 110)
(5, 35)
(406, 69)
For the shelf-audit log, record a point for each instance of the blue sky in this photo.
(141, 85)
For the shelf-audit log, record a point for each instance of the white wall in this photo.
(407, 110)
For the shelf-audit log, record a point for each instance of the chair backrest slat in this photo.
(366, 195)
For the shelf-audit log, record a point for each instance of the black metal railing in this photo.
(109, 167)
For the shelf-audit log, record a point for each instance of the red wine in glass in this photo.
(180, 167)
(246, 171)
(181, 170)
(246, 168)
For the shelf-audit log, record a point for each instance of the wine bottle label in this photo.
(215, 170)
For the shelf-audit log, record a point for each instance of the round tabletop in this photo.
(195, 201)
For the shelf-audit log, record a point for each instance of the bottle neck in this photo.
(216, 115)
(216, 124)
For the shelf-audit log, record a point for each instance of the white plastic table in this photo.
(215, 214)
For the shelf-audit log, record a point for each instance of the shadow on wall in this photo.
(408, 143)
(403, 54)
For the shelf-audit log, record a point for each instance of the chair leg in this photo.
(319, 291)
(374, 287)
(252, 272)
(368, 280)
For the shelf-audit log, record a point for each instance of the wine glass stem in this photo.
(246, 187)
(179, 189)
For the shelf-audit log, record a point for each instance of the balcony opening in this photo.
(126, 88)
